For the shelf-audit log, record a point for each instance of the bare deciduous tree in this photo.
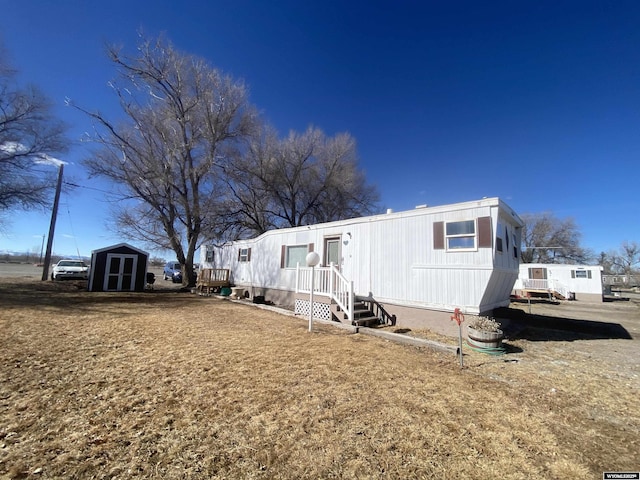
(547, 239)
(606, 260)
(248, 201)
(299, 180)
(181, 115)
(29, 134)
(626, 259)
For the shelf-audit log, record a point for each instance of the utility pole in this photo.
(52, 226)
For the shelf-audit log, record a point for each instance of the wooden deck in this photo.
(538, 292)
(211, 280)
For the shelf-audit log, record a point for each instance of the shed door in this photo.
(120, 273)
(332, 251)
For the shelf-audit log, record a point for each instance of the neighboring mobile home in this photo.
(564, 282)
(415, 265)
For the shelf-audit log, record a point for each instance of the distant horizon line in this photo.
(70, 257)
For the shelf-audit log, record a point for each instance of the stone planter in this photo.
(484, 339)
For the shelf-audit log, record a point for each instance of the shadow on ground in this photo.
(540, 328)
(73, 294)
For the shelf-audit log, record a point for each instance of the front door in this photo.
(538, 273)
(332, 251)
(121, 273)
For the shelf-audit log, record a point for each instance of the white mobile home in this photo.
(565, 282)
(410, 266)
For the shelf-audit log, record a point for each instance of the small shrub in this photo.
(486, 324)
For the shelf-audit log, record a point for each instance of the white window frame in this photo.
(455, 236)
(582, 274)
(244, 254)
(289, 259)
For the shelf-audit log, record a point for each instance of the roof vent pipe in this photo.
(389, 210)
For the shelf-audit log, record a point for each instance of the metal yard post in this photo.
(312, 260)
(459, 318)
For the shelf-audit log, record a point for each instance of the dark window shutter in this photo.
(239, 250)
(310, 249)
(248, 254)
(438, 235)
(484, 232)
(283, 254)
(573, 274)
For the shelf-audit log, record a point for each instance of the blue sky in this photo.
(534, 102)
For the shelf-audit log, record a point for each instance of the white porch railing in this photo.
(327, 282)
(535, 284)
(547, 285)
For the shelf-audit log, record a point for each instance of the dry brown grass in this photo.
(172, 385)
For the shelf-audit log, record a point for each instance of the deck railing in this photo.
(535, 284)
(327, 282)
(546, 285)
(213, 276)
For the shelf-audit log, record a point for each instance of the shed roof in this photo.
(119, 245)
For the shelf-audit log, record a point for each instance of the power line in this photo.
(84, 186)
(73, 234)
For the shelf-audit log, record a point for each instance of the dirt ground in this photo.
(166, 384)
(608, 333)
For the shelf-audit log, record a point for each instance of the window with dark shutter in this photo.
(460, 236)
(580, 273)
(244, 254)
(294, 255)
